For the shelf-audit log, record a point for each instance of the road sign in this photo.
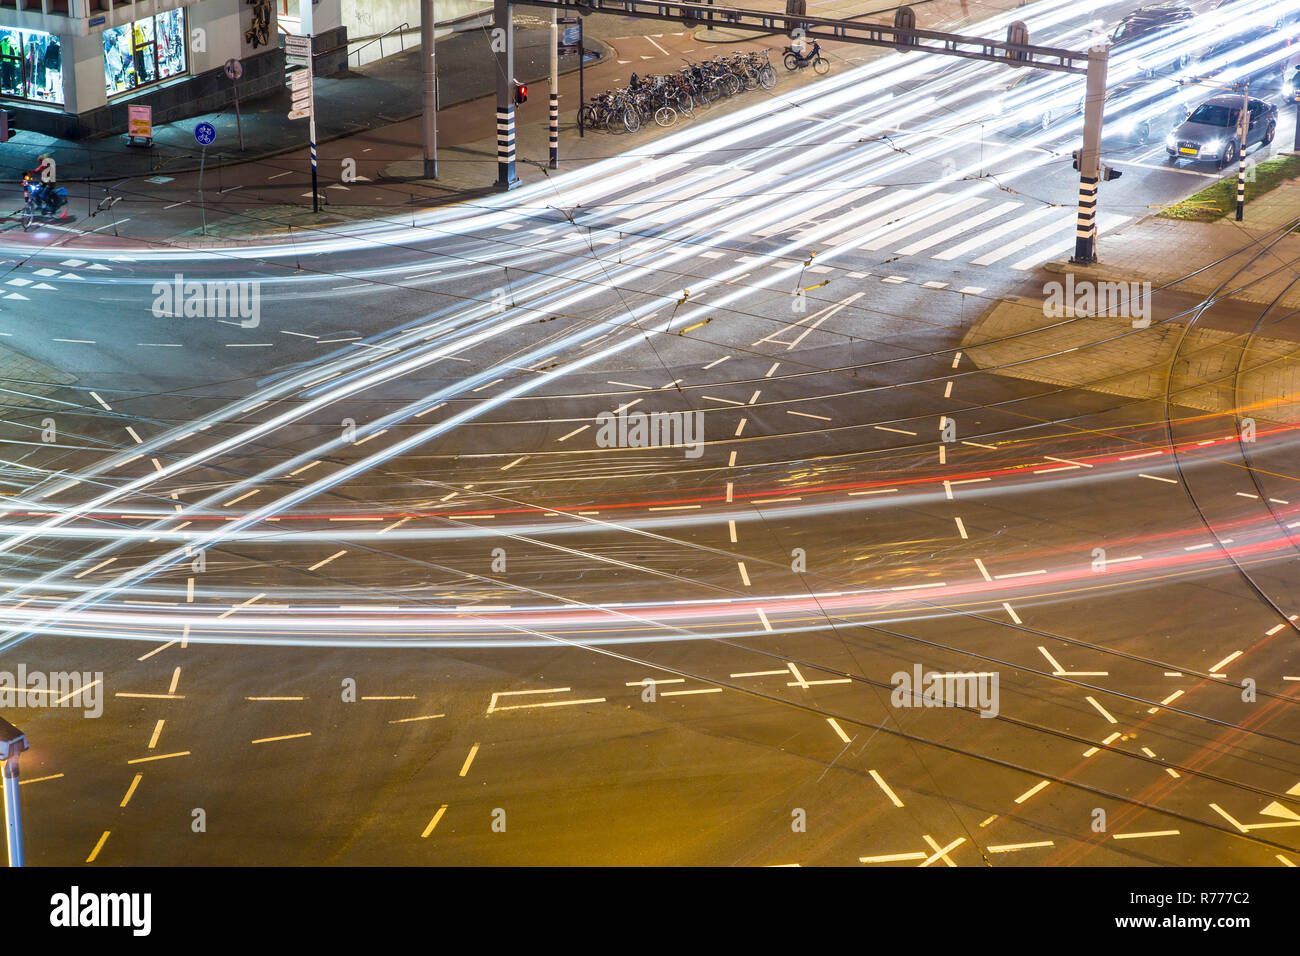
(297, 46)
(205, 134)
(234, 69)
(300, 95)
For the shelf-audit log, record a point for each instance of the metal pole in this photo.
(1243, 130)
(1085, 235)
(308, 27)
(203, 213)
(504, 29)
(13, 816)
(581, 87)
(239, 123)
(1295, 96)
(555, 89)
(315, 192)
(428, 23)
(1296, 145)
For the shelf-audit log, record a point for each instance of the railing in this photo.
(401, 30)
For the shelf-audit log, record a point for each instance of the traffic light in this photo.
(521, 94)
(1075, 154)
(1108, 173)
(7, 127)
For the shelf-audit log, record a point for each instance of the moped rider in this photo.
(42, 178)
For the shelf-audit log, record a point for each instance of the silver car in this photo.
(1210, 133)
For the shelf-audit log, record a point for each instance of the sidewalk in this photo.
(1141, 251)
(377, 95)
(388, 91)
(1110, 355)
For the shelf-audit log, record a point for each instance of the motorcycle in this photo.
(42, 201)
(795, 60)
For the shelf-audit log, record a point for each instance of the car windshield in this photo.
(1210, 115)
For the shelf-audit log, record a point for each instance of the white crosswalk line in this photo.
(995, 233)
(814, 211)
(891, 218)
(855, 215)
(687, 184)
(751, 220)
(677, 209)
(1106, 222)
(965, 225)
(903, 229)
(888, 210)
(1059, 223)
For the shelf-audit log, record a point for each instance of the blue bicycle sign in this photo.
(205, 134)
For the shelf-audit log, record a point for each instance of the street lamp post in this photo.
(1085, 242)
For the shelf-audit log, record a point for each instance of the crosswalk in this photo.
(946, 226)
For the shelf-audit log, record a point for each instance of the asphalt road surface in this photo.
(364, 584)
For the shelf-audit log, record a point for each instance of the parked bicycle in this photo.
(668, 98)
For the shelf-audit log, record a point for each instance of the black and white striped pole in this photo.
(503, 43)
(1085, 236)
(555, 89)
(1243, 128)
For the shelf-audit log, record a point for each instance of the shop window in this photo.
(31, 66)
(146, 51)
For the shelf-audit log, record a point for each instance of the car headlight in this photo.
(1212, 146)
(1171, 140)
(1288, 87)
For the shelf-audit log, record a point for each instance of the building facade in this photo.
(70, 68)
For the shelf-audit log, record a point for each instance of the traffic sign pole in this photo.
(303, 100)
(315, 194)
(205, 134)
(203, 213)
(234, 70)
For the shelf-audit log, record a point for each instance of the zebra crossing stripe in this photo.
(989, 235)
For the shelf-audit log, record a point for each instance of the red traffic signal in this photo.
(521, 93)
